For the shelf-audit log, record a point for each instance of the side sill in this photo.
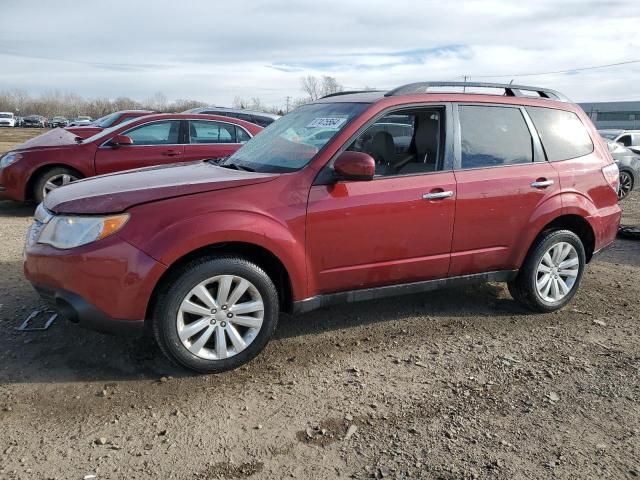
(350, 296)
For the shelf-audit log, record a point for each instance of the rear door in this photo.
(154, 143)
(213, 139)
(502, 178)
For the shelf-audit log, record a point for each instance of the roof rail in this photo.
(510, 90)
(348, 92)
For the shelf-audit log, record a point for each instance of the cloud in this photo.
(216, 50)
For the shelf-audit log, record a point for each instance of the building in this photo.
(615, 115)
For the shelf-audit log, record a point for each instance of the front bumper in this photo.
(105, 285)
(77, 310)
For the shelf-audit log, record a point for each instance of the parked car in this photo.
(626, 138)
(7, 119)
(80, 121)
(629, 165)
(57, 158)
(259, 118)
(507, 188)
(34, 121)
(111, 120)
(58, 122)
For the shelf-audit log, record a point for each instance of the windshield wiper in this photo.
(226, 164)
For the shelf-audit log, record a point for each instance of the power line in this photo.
(580, 69)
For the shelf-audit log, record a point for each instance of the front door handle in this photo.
(542, 183)
(437, 195)
(171, 153)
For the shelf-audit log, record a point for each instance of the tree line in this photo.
(71, 105)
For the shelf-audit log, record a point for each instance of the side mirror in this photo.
(121, 140)
(354, 166)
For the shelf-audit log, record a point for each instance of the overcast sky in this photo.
(215, 50)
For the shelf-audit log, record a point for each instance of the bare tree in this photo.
(311, 87)
(330, 85)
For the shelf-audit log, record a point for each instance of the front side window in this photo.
(404, 143)
(493, 137)
(157, 133)
(562, 133)
(211, 132)
(286, 146)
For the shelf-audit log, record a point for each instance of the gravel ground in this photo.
(452, 384)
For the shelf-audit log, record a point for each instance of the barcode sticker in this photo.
(327, 122)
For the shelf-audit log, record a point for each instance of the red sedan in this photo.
(108, 121)
(58, 157)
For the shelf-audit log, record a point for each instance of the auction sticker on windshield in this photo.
(327, 122)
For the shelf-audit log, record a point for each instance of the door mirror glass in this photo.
(354, 166)
(121, 140)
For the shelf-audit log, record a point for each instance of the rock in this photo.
(164, 379)
(350, 431)
(348, 417)
(600, 322)
(601, 446)
(553, 397)
(412, 430)
(103, 393)
(101, 441)
(259, 427)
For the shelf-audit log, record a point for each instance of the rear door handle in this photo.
(171, 153)
(542, 183)
(437, 195)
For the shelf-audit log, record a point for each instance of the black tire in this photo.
(170, 298)
(37, 191)
(523, 288)
(626, 184)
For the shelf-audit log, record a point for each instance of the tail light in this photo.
(612, 176)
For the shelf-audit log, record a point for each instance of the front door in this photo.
(396, 228)
(154, 143)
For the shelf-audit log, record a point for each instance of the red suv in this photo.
(58, 157)
(413, 189)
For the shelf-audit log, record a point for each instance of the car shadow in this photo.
(9, 208)
(67, 353)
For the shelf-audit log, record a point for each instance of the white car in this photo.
(7, 119)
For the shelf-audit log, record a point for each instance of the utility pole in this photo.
(288, 100)
(464, 88)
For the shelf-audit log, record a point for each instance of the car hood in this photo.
(119, 191)
(53, 138)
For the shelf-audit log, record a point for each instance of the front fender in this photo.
(203, 230)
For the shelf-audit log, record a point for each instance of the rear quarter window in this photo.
(562, 133)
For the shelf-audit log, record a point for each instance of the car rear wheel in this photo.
(51, 180)
(551, 273)
(626, 185)
(216, 315)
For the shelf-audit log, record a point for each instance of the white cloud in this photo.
(214, 51)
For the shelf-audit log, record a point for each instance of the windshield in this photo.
(610, 136)
(289, 143)
(6, 115)
(107, 120)
(105, 133)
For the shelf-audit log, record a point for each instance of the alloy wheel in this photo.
(626, 185)
(557, 272)
(57, 181)
(220, 317)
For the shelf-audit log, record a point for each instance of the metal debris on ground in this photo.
(631, 233)
(27, 327)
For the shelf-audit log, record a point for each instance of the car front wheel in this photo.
(216, 315)
(551, 273)
(51, 180)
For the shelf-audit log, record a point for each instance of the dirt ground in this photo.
(9, 137)
(453, 384)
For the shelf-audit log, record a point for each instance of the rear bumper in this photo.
(77, 310)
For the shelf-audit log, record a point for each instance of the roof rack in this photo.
(348, 92)
(510, 90)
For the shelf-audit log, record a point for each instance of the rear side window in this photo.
(242, 135)
(562, 133)
(201, 131)
(493, 136)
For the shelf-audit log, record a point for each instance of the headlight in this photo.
(8, 158)
(72, 231)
